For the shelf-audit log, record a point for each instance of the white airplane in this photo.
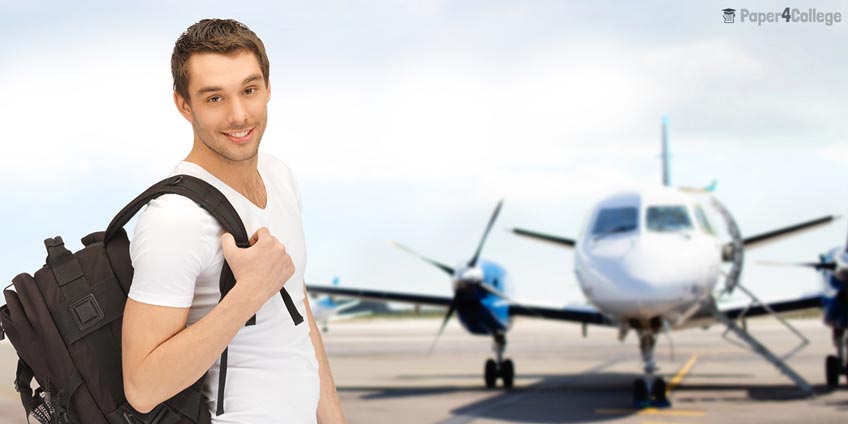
(650, 260)
(326, 309)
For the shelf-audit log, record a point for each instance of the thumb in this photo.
(228, 244)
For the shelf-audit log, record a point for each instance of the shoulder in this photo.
(175, 212)
(174, 241)
(177, 225)
(275, 167)
(280, 174)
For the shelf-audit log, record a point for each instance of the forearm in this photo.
(182, 359)
(329, 405)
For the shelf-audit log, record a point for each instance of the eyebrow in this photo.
(252, 78)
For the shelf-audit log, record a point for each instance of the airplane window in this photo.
(615, 220)
(702, 220)
(668, 218)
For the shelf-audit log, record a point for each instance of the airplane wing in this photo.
(705, 317)
(380, 295)
(806, 302)
(761, 239)
(342, 317)
(587, 315)
(571, 313)
(346, 305)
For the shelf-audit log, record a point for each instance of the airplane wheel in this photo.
(845, 372)
(491, 373)
(658, 393)
(832, 370)
(507, 373)
(640, 394)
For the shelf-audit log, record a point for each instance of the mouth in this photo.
(239, 137)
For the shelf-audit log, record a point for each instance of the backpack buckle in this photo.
(86, 312)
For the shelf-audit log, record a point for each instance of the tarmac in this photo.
(384, 375)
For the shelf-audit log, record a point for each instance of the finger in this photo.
(254, 238)
(228, 244)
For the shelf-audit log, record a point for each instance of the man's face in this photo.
(228, 105)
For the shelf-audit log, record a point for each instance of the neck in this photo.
(242, 176)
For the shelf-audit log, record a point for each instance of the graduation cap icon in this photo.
(729, 15)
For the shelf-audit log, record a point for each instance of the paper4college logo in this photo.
(786, 15)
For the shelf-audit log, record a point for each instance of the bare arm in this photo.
(329, 405)
(161, 357)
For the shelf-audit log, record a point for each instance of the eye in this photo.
(214, 99)
(250, 90)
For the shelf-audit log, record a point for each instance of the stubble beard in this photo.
(218, 144)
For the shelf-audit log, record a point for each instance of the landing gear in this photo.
(659, 393)
(641, 399)
(834, 366)
(499, 368)
(491, 373)
(649, 391)
(507, 373)
(832, 370)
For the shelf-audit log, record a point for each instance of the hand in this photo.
(262, 269)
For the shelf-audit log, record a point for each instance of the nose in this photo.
(238, 114)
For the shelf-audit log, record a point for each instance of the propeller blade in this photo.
(451, 310)
(473, 261)
(830, 266)
(437, 264)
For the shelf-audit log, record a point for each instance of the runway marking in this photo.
(675, 381)
(652, 411)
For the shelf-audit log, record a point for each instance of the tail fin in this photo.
(666, 156)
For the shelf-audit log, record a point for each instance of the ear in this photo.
(268, 87)
(183, 107)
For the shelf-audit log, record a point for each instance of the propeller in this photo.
(473, 261)
(818, 266)
(451, 310)
(836, 261)
(435, 263)
(453, 272)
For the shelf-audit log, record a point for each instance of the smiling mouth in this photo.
(239, 136)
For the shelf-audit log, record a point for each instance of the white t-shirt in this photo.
(272, 373)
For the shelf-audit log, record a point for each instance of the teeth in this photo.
(239, 134)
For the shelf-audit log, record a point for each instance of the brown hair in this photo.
(225, 36)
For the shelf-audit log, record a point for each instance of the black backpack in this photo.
(65, 323)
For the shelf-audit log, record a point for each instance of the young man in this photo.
(174, 329)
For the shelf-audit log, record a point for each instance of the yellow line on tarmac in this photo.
(652, 411)
(675, 381)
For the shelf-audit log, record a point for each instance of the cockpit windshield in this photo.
(668, 218)
(615, 220)
(702, 220)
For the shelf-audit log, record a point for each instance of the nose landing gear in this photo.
(647, 393)
(500, 368)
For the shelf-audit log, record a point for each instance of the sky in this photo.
(409, 120)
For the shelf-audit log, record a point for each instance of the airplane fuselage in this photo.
(648, 254)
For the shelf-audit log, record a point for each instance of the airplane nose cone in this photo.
(649, 275)
(665, 262)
